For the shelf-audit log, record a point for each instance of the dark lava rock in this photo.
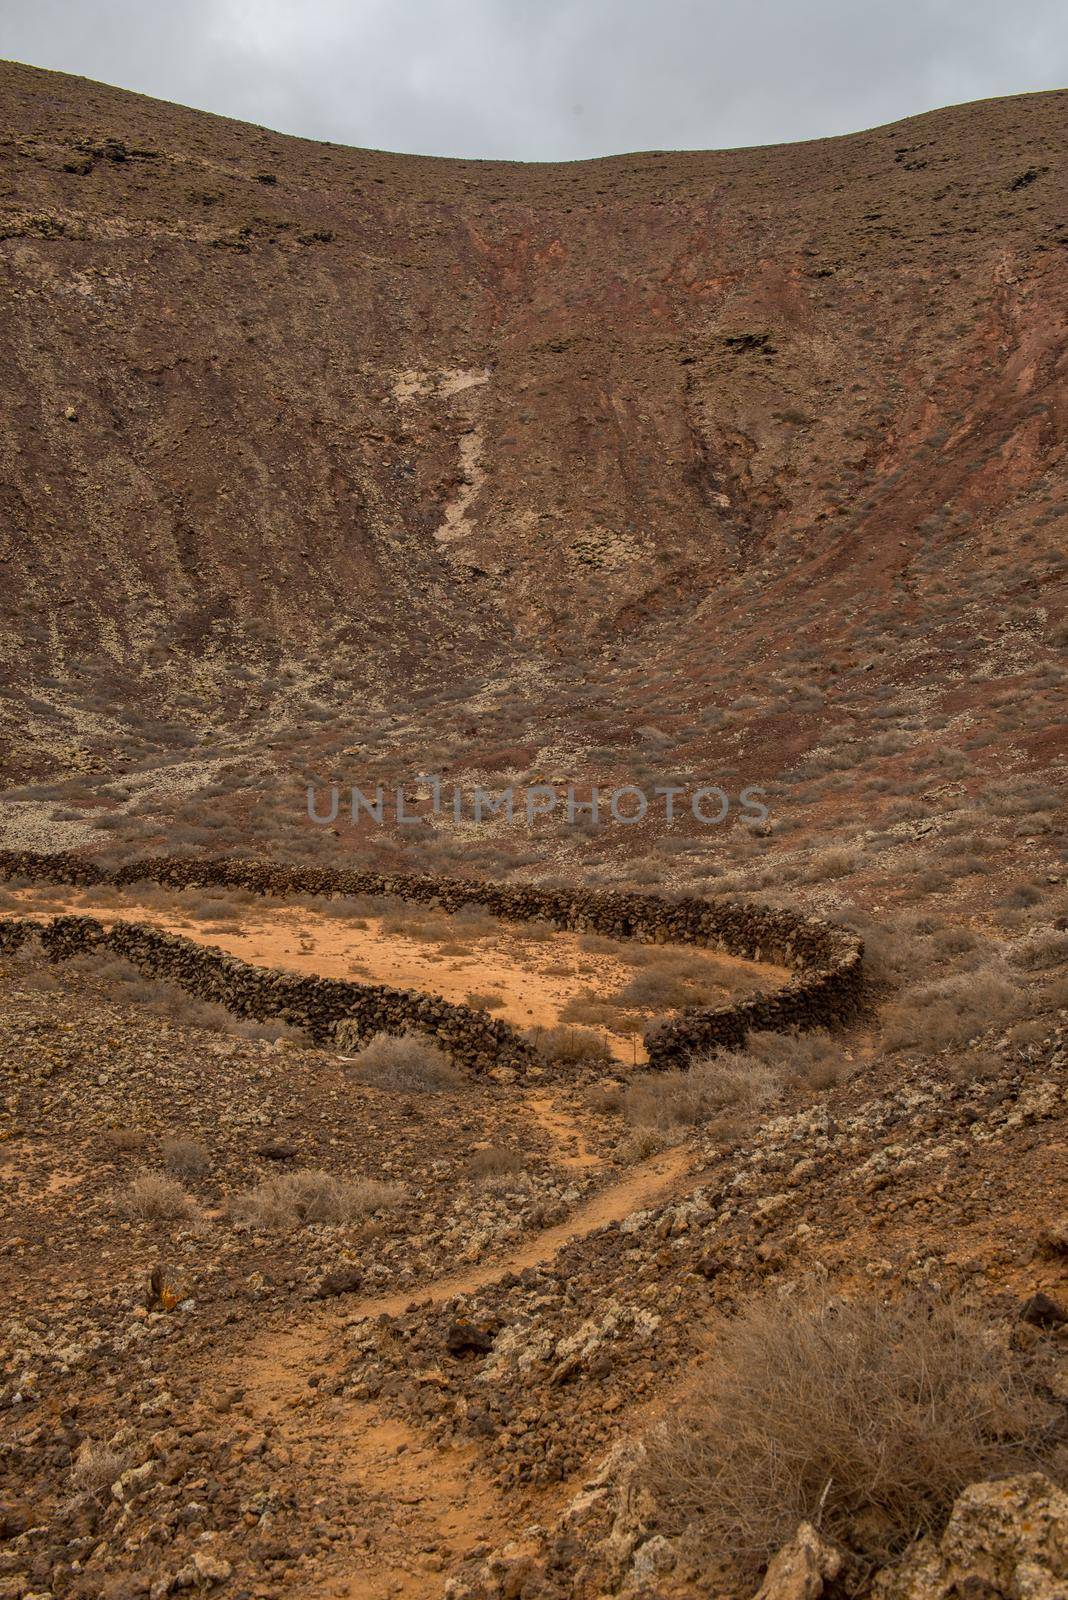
(276, 1151)
(467, 1338)
(1042, 1312)
(343, 1280)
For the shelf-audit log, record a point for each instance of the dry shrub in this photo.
(643, 1142)
(813, 1058)
(1021, 898)
(947, 943)
(495, 1161)
(125, 1141)
(154, 1197)
(485, 1000)
(570, 1044)
(294, 1198)
(1045, 948)
(890, 954)
(975, 1066)
(660, 988)
(712, 1085)
(187, 1157)
(605, 1098)
(1054, 995)
(96, 1466)
(405, 1061)
(1019, 796)
(865, 1419)
(832, 864)
(953, 1010)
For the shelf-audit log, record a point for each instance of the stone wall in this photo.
(824, 991)
(472, 1038)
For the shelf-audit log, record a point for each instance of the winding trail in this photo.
(570, 1147)
(449, 1503)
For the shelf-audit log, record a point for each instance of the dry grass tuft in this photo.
(864, 1419)
(96, 1466)
(723, 1082)
(495, 1161)
(152, 1196)
(307, 1196)
(814, 1058)
(569, 1044)
(187, 1157)
(405, 1061)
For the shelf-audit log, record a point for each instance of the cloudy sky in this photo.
(552, 79)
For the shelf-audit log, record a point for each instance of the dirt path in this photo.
(570, 1147)
(449, 1505)
(278, 1374)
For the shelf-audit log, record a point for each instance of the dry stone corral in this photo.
(824, 992)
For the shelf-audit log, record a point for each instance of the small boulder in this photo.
(211, 1568)
(1005, 1540)
(1042, 1312)
(464, 1338)
(802, 1568)
(275, 1150)
(343, 1280)
(651, 1560)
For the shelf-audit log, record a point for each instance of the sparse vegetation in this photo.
(570, 1044)
(186, 1157)
(864, 1418)
(406, 1061)
(294, 1199)
(723, 1082)
(155, 1197)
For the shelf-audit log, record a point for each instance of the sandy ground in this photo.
(531, 980)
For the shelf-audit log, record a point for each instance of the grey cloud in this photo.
(551, 79)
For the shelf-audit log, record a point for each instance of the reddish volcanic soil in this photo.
(323, 467)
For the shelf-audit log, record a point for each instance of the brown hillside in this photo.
(373, 408)
(743, 469)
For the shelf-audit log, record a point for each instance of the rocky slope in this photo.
(291, 427)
